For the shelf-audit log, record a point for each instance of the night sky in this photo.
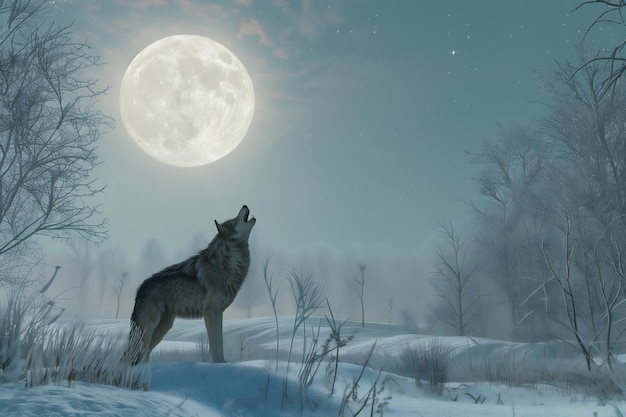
(364, 113)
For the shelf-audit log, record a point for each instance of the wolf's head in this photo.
(238, 228)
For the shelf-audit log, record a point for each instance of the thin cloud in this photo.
(142, 5)
(202, 10)
(309, 21)
(253, 28)
(281, 54)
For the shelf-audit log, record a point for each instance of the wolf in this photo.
(204, 285)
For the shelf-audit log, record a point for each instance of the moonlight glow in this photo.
(186, 100)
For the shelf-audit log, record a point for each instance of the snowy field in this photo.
(254, 384)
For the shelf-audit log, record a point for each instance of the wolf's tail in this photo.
(132, 354)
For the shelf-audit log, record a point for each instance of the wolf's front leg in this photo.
(219, 333)
(213, 323)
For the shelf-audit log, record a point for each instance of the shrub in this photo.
(427, 364)
(73, 352)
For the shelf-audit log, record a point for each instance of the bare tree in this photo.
(589, 276)
(118, 290)
(389, 309)
(576, 166)
(511, 216)
(591, 136)
(454, 283)
(610, 14)
(583, 229)
(49, 130)
(359, 289)
(565, 278)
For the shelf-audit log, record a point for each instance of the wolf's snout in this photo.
(246, 214)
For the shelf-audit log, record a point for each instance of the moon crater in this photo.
(186, 100)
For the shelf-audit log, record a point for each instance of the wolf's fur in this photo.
(201, 286)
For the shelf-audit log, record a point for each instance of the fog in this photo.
(360, 137)
(88, 282)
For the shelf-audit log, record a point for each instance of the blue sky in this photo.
(364, 112)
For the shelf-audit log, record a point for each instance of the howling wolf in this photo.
(202, 286)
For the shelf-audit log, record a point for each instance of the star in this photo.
(453, 52)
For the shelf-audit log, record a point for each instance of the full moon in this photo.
(186, 100)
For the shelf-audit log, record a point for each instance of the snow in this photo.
(182, 385)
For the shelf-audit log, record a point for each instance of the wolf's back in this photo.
(175, 289)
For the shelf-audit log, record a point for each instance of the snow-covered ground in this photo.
(253, 384)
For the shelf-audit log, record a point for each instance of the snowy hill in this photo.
(182, 385)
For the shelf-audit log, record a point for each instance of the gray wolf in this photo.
(201, 286)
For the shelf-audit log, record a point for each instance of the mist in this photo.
(88, 284)
(330, 106)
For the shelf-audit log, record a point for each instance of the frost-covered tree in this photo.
(609, 12)
(118, 290)
(589, 135)
(49, 129)
(454, 281)
(510, 216)
(552, 221)
(111, 265)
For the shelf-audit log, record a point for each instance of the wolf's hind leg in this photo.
(166, 323)
(146, 319)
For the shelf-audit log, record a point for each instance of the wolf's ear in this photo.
(220, 229)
